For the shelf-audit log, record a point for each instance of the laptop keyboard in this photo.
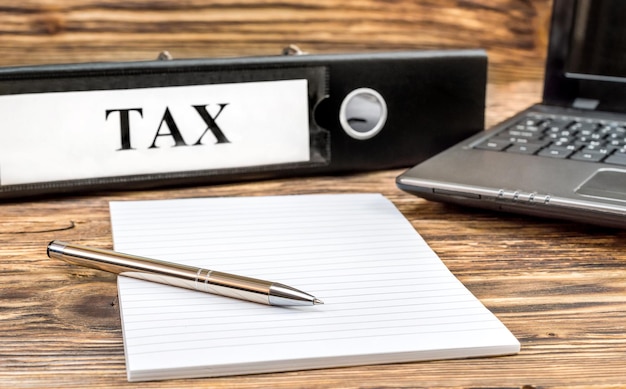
(566, 137)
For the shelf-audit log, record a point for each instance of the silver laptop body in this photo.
(564, 157)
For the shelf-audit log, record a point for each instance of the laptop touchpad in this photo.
(609, 184)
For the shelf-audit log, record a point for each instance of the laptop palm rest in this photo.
(606, 183)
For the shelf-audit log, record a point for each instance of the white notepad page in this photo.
(388, 297)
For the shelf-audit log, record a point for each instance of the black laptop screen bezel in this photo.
(565, 90)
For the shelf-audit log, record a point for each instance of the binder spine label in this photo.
(105, 133)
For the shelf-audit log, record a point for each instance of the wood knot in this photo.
(93, 305)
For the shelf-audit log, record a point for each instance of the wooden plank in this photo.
(39, 31)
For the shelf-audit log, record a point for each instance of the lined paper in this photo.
(388, 297)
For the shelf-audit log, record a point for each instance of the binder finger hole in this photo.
(363, 113)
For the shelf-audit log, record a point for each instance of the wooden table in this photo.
(559, 287)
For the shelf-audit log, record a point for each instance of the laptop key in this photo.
(518, 140)
(523, 149)
(602, 149)
(493, 144)
(618, 158)
(565, 144)
(559, 123)
(524, 134)
(588, 155)
(555, 152)
(584, 126)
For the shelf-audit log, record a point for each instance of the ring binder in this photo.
(136, 125)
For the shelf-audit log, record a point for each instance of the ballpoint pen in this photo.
(189, 277)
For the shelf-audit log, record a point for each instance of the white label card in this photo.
(92, 134)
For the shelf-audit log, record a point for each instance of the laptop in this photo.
(563, 158)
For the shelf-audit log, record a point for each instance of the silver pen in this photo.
(189, 277)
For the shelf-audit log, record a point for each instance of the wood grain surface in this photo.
(47, 31)
(559, 287)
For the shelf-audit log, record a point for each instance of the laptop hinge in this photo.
(589, 104)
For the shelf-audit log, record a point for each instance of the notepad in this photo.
(388, 297)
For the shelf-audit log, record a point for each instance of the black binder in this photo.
(365, 111)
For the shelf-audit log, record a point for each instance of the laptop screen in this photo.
(598, 40)
(587, 54)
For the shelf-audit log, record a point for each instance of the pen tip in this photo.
(317, 302)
